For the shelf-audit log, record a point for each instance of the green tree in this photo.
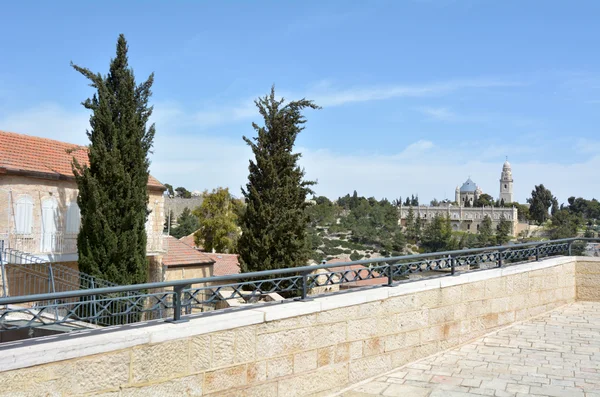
(437, 235)
(484, 200)
(170, 190)
(218, 217)
(355, 256)
(274, 224)
(503, 231)
(485, 234)
(411, 226)
(183, 192)
(565, 224)
(540, 202)
(169, 218)
(434, 203)
(113, 195)
(187, 223)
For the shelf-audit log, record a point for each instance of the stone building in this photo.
(463, 216)
(39, 214)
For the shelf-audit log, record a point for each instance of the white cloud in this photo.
(205, 161)
(438, 113)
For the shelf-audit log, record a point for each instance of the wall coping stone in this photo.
(38, 351)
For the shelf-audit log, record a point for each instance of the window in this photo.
(24, 215)
(505, 186)
(468, 226)
(477, 227)
(73, 218)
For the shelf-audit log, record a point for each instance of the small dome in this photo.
(468, 187)
(506, 165)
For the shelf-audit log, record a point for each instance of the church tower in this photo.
(506, 184)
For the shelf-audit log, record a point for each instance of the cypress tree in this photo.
(274, 225)
(113, 194)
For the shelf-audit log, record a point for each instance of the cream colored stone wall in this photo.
(588, 279)
(296, 348)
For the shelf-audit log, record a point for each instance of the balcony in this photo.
(62, 243)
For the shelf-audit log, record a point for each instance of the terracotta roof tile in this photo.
(225, 264)
(27, 153)
(179, 254)
(190, 240)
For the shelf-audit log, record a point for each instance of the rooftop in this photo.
(225, 264)
(45, 157)
(468, 187)
(181, 254)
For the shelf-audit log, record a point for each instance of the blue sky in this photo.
(416, 95)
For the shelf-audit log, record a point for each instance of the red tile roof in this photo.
(25, 153)
(362, 272)
(181, 254)
(190, 240)
(225, 264)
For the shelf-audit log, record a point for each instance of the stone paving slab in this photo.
(554, 355)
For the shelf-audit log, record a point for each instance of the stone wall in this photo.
(588, 279)
(295, 348)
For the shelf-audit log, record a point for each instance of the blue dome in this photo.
(468, 187)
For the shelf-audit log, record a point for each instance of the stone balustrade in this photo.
(291, 349)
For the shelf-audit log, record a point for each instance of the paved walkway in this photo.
(557, 354)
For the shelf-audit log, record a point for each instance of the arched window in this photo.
(24, 215)
(73, 218)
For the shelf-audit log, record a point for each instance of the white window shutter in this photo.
(24, 215)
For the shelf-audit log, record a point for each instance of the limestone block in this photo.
(373, 346)
(478, 308)
(402, 340)
(328, 334)
(399, 304)
(434, 333)
(286, 324)
(322, 379)
(588, 280)
(449, 343)
(500, 304)
(535, 283)
(338, 315)
(588, 294)
(550, 282)
(226, 378)
(355, 350)
(452, 295)
(473, 291)
(587, 268)
(325, 356)
(413, 320)
(257, 372)
(388, 324)
(506, 317)
(223, 348)
(451, 329)
(266, 390)
(305, 361)
(440, 315)
(402, 357)
(495, 288)
(490, 320)
(163, 360)
(245, 344)
(283, 342)
(460, 310)
(429, 299)
(342, 353)
(95, 373)
(280, 366)
(188, 386)
(29, 381)
(362, 329)
(371, 309)
(200, 353)
(533, 299)
(367, 367)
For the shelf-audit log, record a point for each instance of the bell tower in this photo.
(506, 184)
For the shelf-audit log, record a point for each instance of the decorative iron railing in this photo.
(173, 300)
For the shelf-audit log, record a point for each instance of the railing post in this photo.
(390, 269)
(304, 291)
(537, 253)
(452, 265)
(570, 245)
(178, 289)
(500, 258)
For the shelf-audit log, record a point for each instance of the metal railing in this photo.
(61, 242)
(175, 299)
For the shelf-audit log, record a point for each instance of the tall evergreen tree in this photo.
(274, 225)
(540, 202)
(437, 235)
(503, 231)
(113, 194)
(411, 226)
(486, 234)
(187, 223)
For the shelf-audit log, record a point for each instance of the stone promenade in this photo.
(557, 354)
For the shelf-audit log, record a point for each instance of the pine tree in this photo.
(187, 223)
(503, 231)
(437, 235)
(113, 194)
(486, 235)
(274, 224)
(411, 227)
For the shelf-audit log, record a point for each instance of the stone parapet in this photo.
(312, 348)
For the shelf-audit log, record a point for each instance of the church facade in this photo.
(463, 216)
